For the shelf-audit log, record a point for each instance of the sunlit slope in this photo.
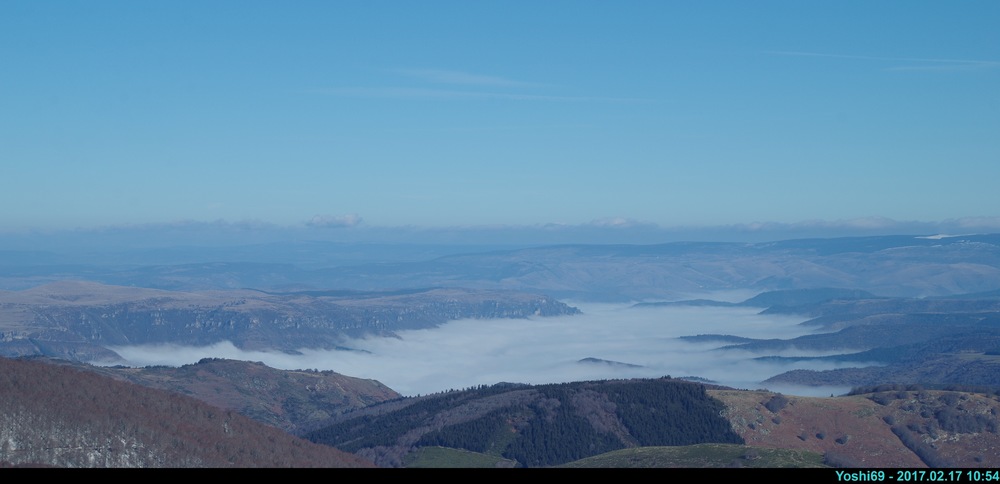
(891, 427)
(56, 415)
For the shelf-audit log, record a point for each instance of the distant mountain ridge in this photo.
(894, 340)
(786, 298)
(885, 265)
(898, 266)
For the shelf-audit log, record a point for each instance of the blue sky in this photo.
(496, 113)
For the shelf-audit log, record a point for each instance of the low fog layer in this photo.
(542, 350)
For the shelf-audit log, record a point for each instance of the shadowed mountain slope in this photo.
(293, 400)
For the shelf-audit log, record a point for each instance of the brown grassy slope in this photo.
(858, 431)
(56, 415)
(293, 400)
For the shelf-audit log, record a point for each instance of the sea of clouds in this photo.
(539, 350)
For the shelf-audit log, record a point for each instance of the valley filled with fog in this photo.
(629, 341)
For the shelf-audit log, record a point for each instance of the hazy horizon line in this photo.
(355, 221)
(353, 229)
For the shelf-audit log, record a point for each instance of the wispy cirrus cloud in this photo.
(916, 63)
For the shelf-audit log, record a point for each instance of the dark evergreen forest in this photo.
(544, 425)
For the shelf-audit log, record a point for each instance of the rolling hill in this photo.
(60, 416)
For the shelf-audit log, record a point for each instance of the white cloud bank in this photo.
(540, 350)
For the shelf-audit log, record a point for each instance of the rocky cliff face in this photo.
(78, 320)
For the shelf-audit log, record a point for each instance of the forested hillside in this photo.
(60, 416)
(538, 425)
